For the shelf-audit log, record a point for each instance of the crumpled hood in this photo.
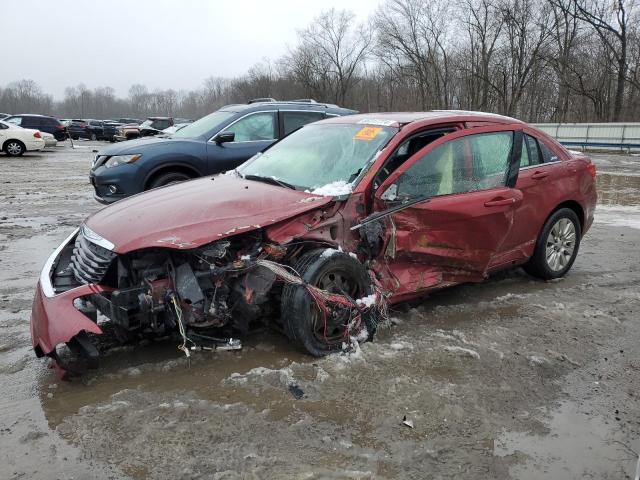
(194, 213)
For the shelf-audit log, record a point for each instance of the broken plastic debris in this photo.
(408, 423)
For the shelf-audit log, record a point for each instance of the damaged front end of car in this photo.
(206, 296)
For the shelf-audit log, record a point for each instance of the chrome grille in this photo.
(90, 262)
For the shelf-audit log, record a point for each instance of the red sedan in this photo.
(320, 232)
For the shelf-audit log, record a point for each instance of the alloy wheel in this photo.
(14, 148)
(561, 244)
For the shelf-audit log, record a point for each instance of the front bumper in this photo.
(123, 178)
(54, 317)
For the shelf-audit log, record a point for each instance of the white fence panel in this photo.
(625, 136)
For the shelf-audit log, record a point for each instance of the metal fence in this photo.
(606, 136)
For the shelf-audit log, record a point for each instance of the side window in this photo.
(160, 124)
(294, 120)
(255, 127)
(466, 164)
(3, 126)
(525, 161)
(15, 121)
(408, 148)
(546, 154)
(534, 156)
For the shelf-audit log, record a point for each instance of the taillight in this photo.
(59, 127)
(592, 170)
(37, 135)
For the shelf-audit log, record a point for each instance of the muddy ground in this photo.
(513, 378)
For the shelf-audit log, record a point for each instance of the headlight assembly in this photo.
(121, 160)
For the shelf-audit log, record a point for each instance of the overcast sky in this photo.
(160, 43)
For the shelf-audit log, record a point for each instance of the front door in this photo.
(466, 179)
(253, 133)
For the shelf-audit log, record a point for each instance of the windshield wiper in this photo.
(273, 181)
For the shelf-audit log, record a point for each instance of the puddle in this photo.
(577, 446)
(618, 189)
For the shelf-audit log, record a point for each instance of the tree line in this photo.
(538, 60)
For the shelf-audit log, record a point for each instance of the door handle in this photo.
(539, 175)
(500, 202)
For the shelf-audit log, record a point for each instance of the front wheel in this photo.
(557, 246)
(168, 179)
(14, 148)
(302, 320)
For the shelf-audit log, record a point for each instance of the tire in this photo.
(168, 178)
(93, 137)
(14, 148)
(557, 246)
(74, 137)
(300, 316)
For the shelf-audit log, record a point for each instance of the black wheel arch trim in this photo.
(167, 167)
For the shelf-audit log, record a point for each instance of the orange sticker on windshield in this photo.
(367, 133)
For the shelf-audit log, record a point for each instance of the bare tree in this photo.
(331, 54)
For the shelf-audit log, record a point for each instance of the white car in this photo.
(49, 140)
(16, 140)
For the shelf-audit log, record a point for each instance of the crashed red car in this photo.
(319, 233)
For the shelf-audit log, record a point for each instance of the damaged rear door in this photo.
(467, 181)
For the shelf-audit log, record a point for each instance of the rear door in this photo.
(254, 132)
(540, 179)
(467, 180)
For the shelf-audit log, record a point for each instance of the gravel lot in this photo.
(513, 378)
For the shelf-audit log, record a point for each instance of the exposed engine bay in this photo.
(207, 295)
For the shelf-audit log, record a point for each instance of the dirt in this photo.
(512, 378)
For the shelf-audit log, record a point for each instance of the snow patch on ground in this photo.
(463, 352)
(618, 216)
(283, 376)
(334, 189)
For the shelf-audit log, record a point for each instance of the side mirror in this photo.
(390, 194)
(224, 137)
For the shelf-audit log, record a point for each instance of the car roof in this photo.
(398, 119)
(311, 106)
(32, 115)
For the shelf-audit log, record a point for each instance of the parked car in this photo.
(126, 121)
(40, 122)
(49, 140)
(92, 129)
(77, 128)
(17, 140)
(150, 127)
(216, 143)
(320, 232)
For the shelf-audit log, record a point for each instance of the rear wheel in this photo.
(168, 178)
(14, 148)
(302, 320)
(94, 137)
(557, 246)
